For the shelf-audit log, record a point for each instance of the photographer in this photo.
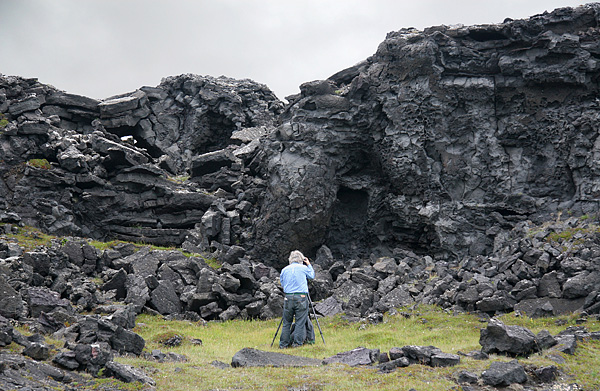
(294, 282)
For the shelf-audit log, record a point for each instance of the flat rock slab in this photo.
(355, 357)
(249, 357)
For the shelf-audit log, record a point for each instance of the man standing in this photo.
(293, 280)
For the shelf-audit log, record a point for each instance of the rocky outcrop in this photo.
(143, 166)
(440, 141)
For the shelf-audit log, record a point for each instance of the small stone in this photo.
(466, 377)
(547, 374)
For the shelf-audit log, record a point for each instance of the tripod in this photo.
(314, 314)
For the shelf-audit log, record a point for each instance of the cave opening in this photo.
(348, 224)
(213, 132)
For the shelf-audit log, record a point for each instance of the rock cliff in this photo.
(427, 154)
(441, 141)
(438, 143)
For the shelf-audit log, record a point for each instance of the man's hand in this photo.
(306, 261)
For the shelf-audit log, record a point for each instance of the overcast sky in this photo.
(100, 48)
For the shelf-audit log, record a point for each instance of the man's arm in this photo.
(310, 273)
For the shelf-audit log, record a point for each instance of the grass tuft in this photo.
(3, 121)
(39, 163)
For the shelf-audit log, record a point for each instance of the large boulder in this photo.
(328, 307)
(44, 300)
(510, 340)
(127, 341)
(164, 298)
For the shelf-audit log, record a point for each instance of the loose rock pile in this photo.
(47, 289)
(537, 270)
(48, 283)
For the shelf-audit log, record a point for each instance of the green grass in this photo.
(39, 163)
(178, 178)
(30, 238)
(426, 326)
(584, 367)
(3, 121)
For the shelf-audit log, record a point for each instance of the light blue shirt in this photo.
(293, 278)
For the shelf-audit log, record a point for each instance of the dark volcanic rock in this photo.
(37, 351)
(504, 374)
(127, 373)
(11, 303)
(6, 332)
(19, 372)
(354, 357)
(444, 360)
(249, 357)
(43, 299)
(66, 360)
(328, 307)
(394, 364)
(127, 341)
(511, 340)
(92, 357)
(117, 282)
(466, 377)
(565, 344)
(164, 298)
(547, 374)
(422, 354)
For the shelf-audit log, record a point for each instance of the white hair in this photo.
(296, 257)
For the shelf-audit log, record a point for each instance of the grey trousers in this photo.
(294, 306)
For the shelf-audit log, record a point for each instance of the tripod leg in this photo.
(278, 327)
(275, 336)
(317, 320)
